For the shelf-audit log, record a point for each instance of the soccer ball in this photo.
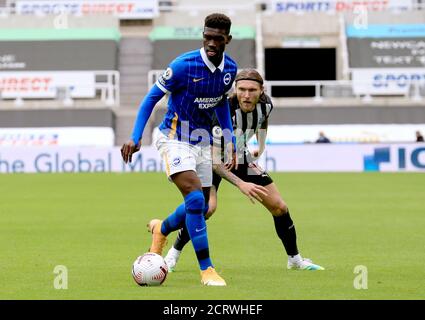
(149, 269)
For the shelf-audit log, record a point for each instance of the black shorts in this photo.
(248, 172)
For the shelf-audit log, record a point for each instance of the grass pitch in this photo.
(94, 224)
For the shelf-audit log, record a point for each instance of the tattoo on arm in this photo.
(226, 175)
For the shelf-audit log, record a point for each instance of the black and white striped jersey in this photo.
(245, 124)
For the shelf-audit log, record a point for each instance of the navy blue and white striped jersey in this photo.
(196, 88)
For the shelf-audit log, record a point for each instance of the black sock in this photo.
(182, 239)
(285, 229)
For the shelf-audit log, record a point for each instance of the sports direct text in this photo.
(338, 6)
(25, 83)
(124, 9)
(77, 8)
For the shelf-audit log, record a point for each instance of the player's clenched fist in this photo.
(128, 149)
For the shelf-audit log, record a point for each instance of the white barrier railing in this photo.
(318, 97)
(109, 89)
(414, 94)
(153, 75)
(106, 86)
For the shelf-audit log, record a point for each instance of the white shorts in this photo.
(181, 156)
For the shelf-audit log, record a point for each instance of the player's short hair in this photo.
(249, 74)
(218, 21)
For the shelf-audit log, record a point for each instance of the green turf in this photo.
(94, 224)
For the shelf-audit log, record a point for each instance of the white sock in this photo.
(174, 253)
(295, 259)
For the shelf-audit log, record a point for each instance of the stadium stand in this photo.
(305, 55)
(42, 55)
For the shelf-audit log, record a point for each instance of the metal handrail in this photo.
(318, 98)
(318, 84)
(110, 90)
(153, 75)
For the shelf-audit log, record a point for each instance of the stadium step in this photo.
(135, 61)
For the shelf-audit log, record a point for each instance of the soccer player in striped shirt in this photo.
(250, 110)
(198, 82)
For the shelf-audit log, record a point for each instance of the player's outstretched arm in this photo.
(251, 190)
(145, 111)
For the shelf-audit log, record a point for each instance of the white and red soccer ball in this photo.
(149, 269)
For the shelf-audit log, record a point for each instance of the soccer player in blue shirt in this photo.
(198, 82)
